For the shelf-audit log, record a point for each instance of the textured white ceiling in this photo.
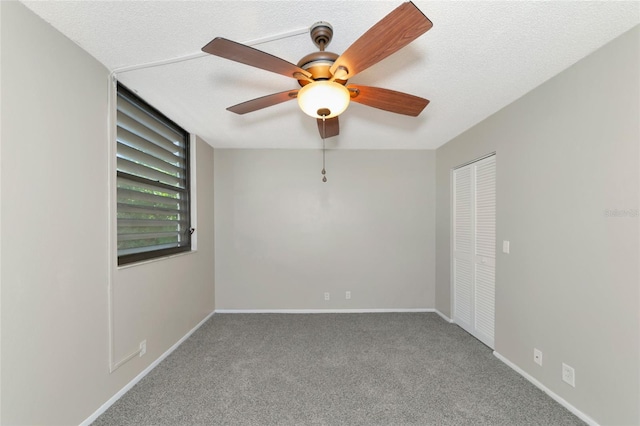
(478, 57)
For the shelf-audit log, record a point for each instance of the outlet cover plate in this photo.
(568, 374)
(537, 356)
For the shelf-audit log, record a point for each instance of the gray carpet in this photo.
(333, 369)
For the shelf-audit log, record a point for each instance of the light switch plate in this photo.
(505, 247)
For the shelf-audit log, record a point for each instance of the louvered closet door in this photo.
(474, 236)
(462, 248)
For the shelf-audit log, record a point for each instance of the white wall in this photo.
(55, 237)
(566, 152)
(283, 237)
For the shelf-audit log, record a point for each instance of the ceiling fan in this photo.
(324, 92)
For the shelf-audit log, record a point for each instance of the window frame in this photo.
(131, 258)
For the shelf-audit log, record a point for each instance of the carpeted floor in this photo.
(333, 369)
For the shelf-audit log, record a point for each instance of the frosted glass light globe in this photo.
(317, 97)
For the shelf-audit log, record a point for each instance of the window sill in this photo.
(155, 260)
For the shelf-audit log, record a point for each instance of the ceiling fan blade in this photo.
(256, 58)
(263, 102)
(392, 33)
(388, 100)
(330, 128)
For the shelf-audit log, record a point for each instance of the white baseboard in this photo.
(582, 416)
(139, 377)
(444, 317)
(317, 311)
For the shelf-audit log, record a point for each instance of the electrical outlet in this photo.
(327, 296)
(568, 374)
(143, 348)
(537, 356)
(347, 295)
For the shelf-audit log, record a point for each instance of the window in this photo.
(153, 182)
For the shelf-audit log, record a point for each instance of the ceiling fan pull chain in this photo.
(324, 177)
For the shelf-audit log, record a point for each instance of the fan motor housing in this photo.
(318, 64)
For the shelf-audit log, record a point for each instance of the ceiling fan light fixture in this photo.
(316, 98)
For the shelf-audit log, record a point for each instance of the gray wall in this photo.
(566, 152)
(54, 222)
(283, 237)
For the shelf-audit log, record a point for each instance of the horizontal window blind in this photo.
(152, 183)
